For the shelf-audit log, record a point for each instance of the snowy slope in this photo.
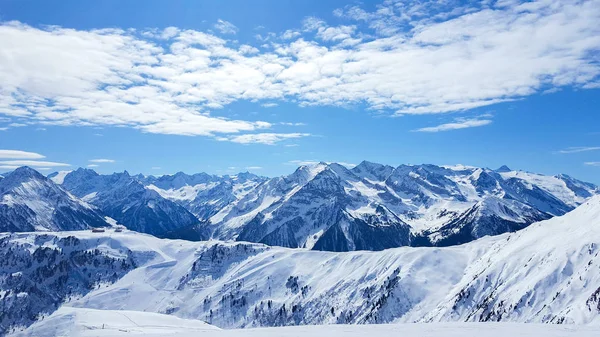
(68, 321)
(58, 177)
(549, 272)
(546, 273)
(104, 323)
(202, 194)
(29, 201)
(39, 272)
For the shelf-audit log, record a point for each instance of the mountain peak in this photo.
(26, 172)
(503, 168)
(373, 171)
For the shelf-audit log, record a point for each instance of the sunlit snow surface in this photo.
(105, 323)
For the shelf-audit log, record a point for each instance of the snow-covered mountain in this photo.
(548, 272)
(330, 207)
(202, 194)
(29, 201)
(374, 206)
(126, 199)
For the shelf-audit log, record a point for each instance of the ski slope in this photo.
(106, 323)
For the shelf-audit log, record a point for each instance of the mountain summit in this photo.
(29, 201)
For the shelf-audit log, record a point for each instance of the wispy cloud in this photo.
(348, 165)
(32, 163)
(101, 160)
(592, 163)
(156, 167)
(265, 138)
(253, 168)
(456, 125)
(226, 27)
(93, 165)
(17, 154)
(302, 162)
(578, 149)
(290, 34)
(292, 124)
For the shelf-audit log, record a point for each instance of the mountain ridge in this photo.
(328, 206)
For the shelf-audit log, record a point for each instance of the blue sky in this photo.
(228, 86)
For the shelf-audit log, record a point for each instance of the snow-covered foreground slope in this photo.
(104, 323)
(79, 322)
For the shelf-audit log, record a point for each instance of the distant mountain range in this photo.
(320, 207)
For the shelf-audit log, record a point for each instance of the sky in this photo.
(157, 87)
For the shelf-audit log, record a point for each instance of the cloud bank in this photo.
(402, 58)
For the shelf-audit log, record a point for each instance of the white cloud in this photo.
(459, 123)
(290, 34)
(348, 165)
(101, 160)
(302, 162)
(592, 163)
(16, 154)
(226, 27)
(253, 168)
(312, 23)
(93, 165)
(9, 167)
(292, 124)
(247, 49)
(32, 163)
(265, 138)
(269, 105)
(336, 33)
(580, 149)
(404, 57)
(156, 168)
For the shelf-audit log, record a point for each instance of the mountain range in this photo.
(548, 272)
(326, 206)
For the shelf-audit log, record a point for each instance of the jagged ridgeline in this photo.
(321, 207)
